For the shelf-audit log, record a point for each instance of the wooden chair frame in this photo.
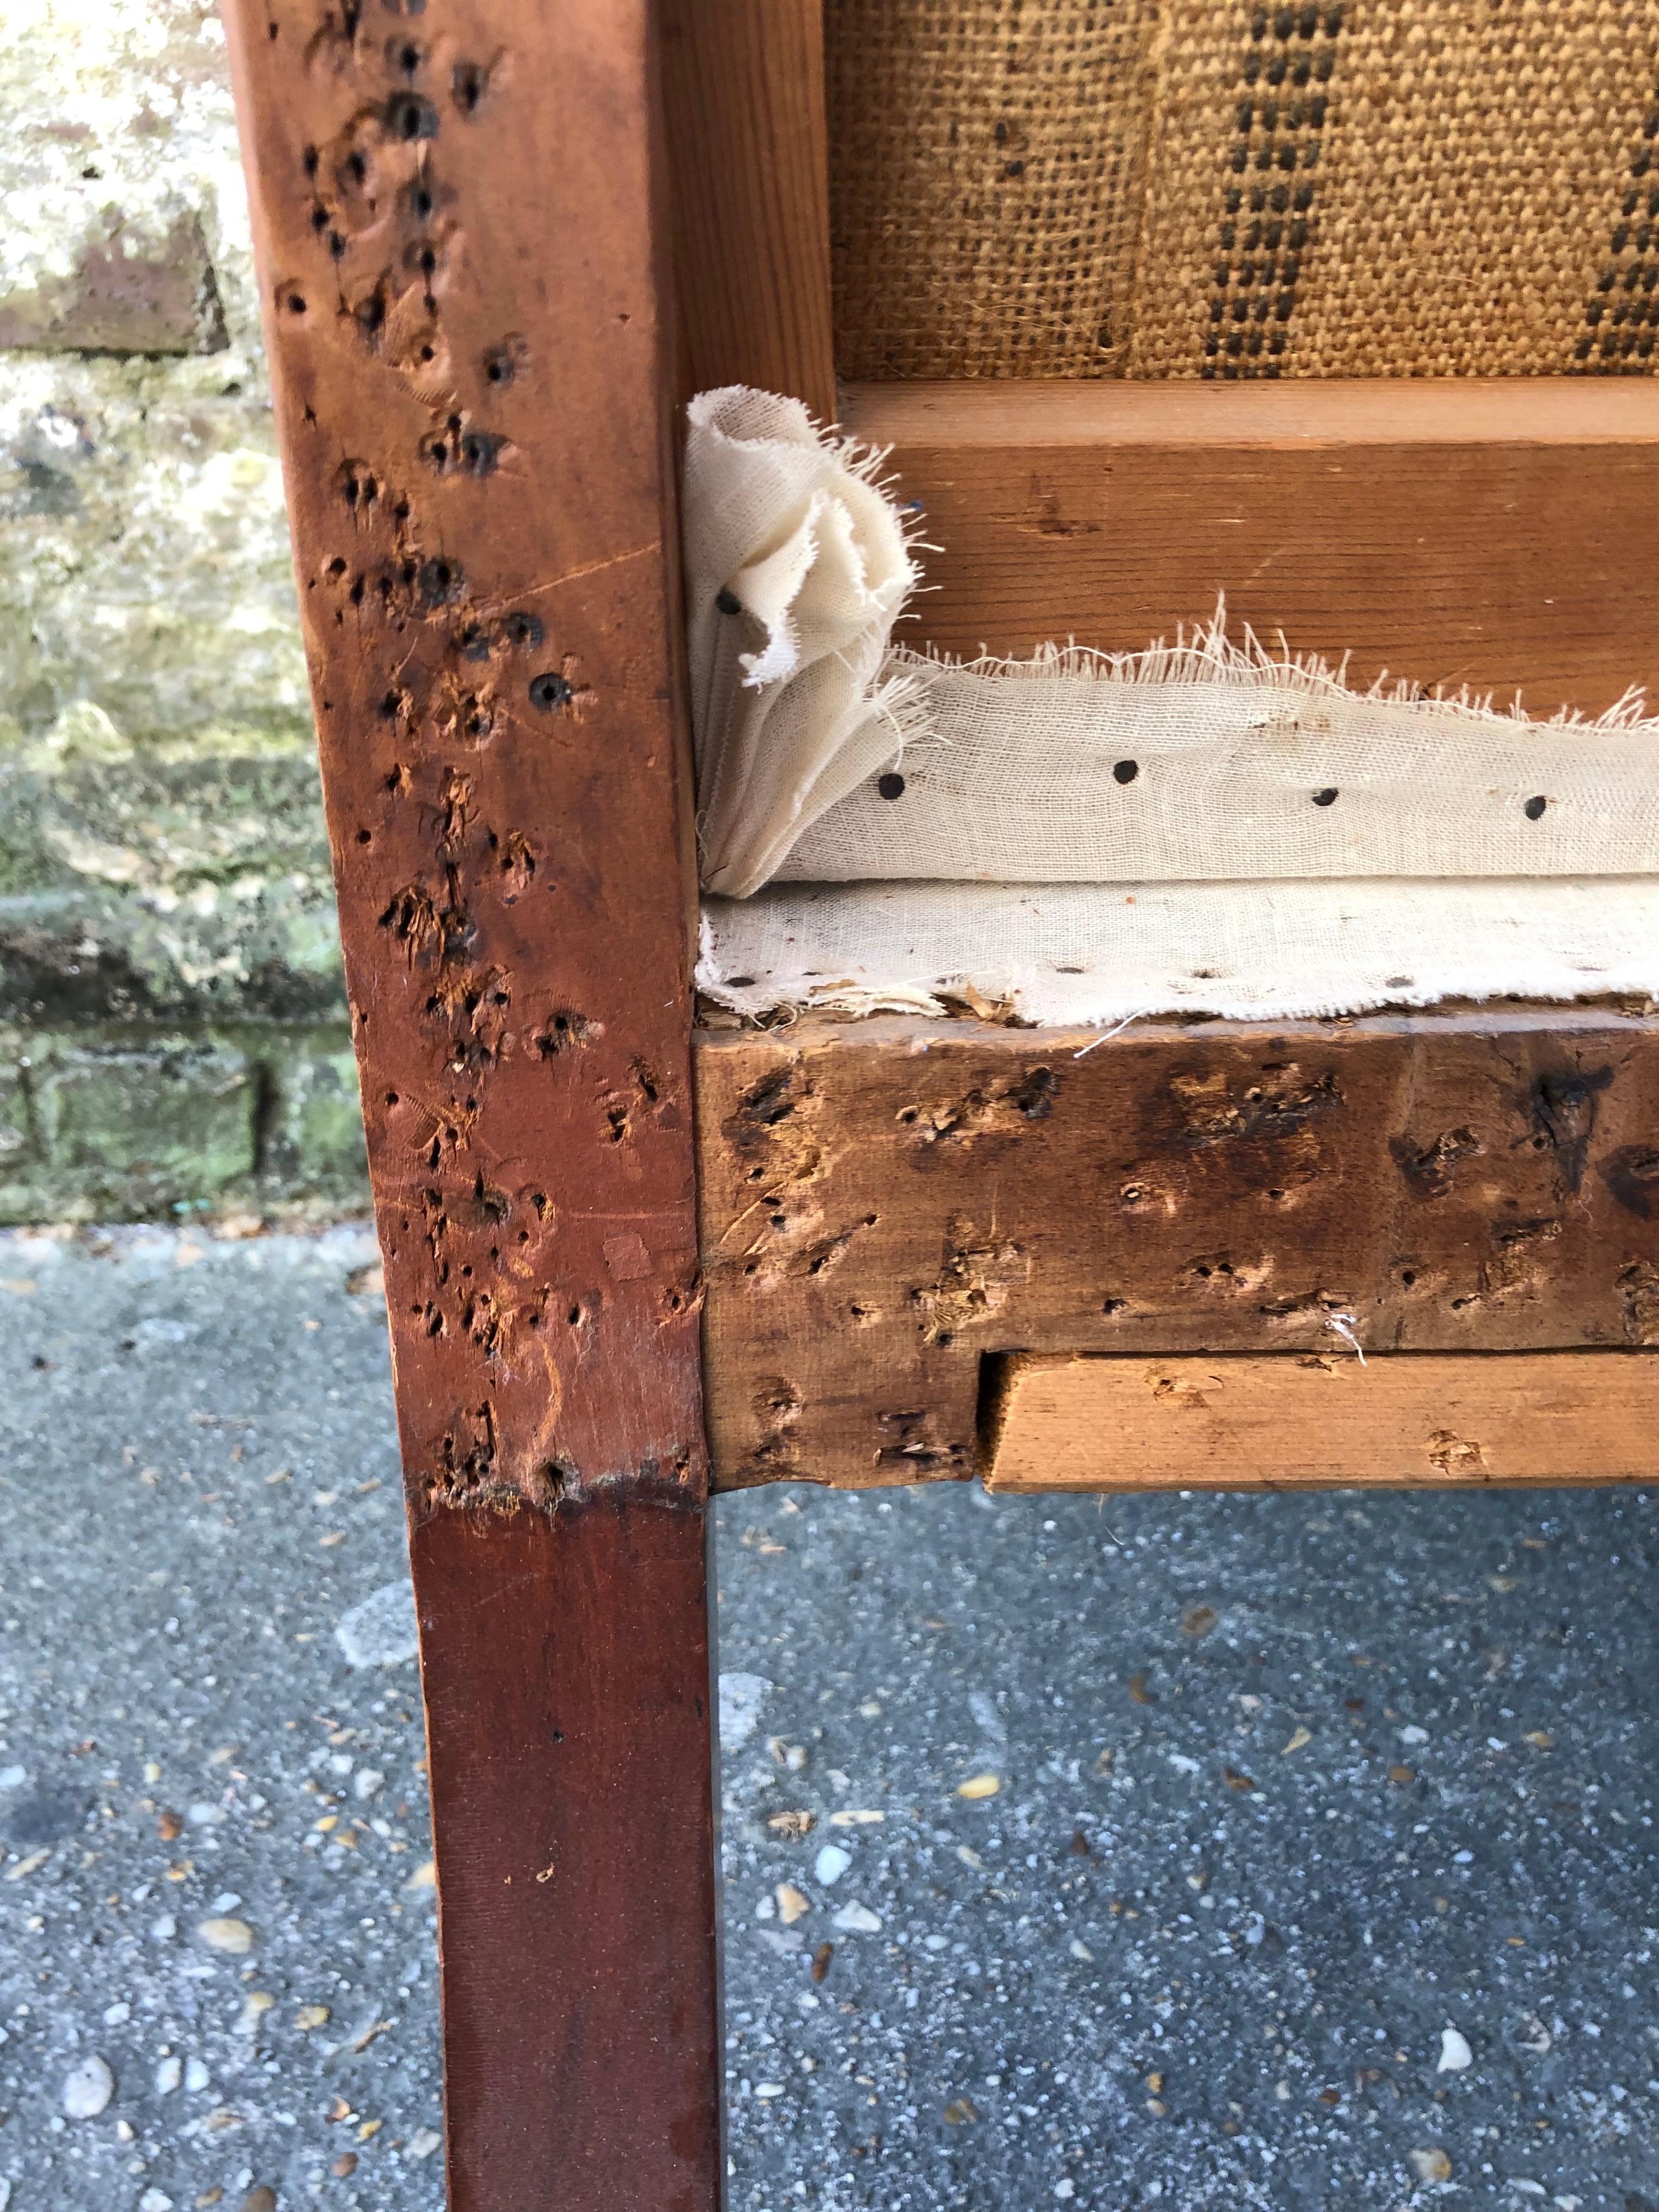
(871, 1252)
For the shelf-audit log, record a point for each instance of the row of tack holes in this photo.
(891, 786)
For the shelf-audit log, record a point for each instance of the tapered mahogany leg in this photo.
(566, 1664)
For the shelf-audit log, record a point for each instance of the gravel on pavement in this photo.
(1279, 1852)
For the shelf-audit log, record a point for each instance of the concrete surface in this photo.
(1415, 1961)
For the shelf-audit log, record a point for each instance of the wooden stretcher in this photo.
(627, 1260)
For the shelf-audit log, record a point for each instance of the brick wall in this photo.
(170, 1012)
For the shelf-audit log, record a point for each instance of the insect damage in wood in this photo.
(1562, 1103)
(972, 1286)
(1455, 1456)
(1182, 1188)
(1004, 1110)
(1631, 1173)
(1639, 1301)
(500, 774)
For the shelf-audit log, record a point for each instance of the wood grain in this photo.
(1312, 1420)
(1451, 532)
(567, 1666)
(749, 144)
(460, 247)
(884, 1202)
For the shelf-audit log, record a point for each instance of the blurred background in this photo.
(173, 1034)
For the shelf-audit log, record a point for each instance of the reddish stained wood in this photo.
(1450, 531)
(476, 471)
(567, 1668)
(883, 1202)
(457, 220)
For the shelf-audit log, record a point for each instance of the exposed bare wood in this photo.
(1290, 1420)
(884, 1201)
(1452, 531)
(747, 140)
(456, 218)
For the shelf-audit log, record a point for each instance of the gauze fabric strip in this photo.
(828, 754)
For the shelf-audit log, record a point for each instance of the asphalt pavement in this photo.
(1281, 1852)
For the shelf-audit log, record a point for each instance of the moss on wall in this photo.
(169, 966)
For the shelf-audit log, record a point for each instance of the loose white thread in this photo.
(1083, 1049)
(1344, 1325)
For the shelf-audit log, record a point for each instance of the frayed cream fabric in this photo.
(1094, 954)
(796, 564)
(1211, 760)
(1314, 849)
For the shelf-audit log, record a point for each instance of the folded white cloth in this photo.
(796, 564)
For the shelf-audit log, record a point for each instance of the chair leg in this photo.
(566, 1665)
(460, 227)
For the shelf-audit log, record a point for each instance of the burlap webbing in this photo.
(985, 183)
(1159, 188)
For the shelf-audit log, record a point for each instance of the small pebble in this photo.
(234, 1937)
(381, 1631)
(1430, 2165)
(1454, 2052)
(831, 1863)
(196, 2077)
(980, 1785)
(168, 2074)
(88, 2088)
(857, 1920)
(423, 2143)
(368, 1781)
